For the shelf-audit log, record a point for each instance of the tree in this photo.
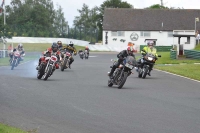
(157, 6)
(61, 25)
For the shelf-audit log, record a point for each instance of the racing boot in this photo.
(112, 71)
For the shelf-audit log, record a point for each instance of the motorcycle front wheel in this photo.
(49, 70)
(145, 71)
(122, 80)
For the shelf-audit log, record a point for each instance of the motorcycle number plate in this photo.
(129, 66)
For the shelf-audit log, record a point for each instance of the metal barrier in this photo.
(194, 54)
(173, 54)
(2, 53)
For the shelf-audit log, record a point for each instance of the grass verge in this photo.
(5, 61)
(8, 129)
(187, 70)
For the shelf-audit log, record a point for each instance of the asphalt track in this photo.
(78, 100)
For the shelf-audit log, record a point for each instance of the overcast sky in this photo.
(70, 6)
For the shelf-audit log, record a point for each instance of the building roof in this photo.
(128, 19)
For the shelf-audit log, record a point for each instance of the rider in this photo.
(148, 49)
(71, 49)
(121, 56)
(86, 48)
(20, 49)
(52, 50)
(59, 44)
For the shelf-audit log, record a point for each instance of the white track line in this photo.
(177, 75)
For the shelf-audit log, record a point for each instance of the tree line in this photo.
(39, 18)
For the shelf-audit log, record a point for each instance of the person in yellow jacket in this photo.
(71, 49)
(149, 49)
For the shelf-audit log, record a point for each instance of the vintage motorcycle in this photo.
(147, 60)
(46, 67)
(86, 54)
(16, 58)
(64, 64)
(122, 72)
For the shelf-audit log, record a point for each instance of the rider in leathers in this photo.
(48, 53)
(71, 49)
(121, 56)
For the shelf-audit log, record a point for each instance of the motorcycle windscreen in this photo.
(131, 60)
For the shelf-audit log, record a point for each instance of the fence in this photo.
(173, 54)
(193, 54)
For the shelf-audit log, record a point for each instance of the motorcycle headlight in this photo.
(150, 58)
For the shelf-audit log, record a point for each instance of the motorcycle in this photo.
(147, 60)
(81, 54)
(64, 64)
(86, 54)
(16, 58)
(122, 72)
(46, 67)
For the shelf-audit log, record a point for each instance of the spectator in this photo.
(10, 48)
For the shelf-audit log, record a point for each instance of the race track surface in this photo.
(78, 100)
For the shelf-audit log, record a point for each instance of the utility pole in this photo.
(4, 43)
(161, 2)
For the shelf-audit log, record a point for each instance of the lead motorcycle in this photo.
(147, 60)
(122, 72)
(46, 67)
(64, 64)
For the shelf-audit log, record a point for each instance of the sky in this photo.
(70, 6)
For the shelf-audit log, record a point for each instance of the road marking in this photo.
(92, 56)
(178, 75)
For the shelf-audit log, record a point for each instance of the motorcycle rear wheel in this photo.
(110, 84)
(40, 72)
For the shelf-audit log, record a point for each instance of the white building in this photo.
(123, 25)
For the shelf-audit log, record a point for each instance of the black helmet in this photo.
(54, 47)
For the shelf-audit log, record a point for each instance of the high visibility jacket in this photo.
(148, 50)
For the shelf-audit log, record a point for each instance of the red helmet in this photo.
(129, 50)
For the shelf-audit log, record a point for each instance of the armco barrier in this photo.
(173, 54)
(192, 54)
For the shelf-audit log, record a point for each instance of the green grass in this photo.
(8, 129)
(197, 47)
(5, 61)
(165, 59)
(187, 70)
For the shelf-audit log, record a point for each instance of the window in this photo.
(117, 33)
(145, 33)
(120, 33)
(170, 34)
(114, 33)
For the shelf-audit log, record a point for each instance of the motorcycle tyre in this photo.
(110, 84)
(144, 73)
(48, 72)
(40, 73)
(13, 64)
(123, 80)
